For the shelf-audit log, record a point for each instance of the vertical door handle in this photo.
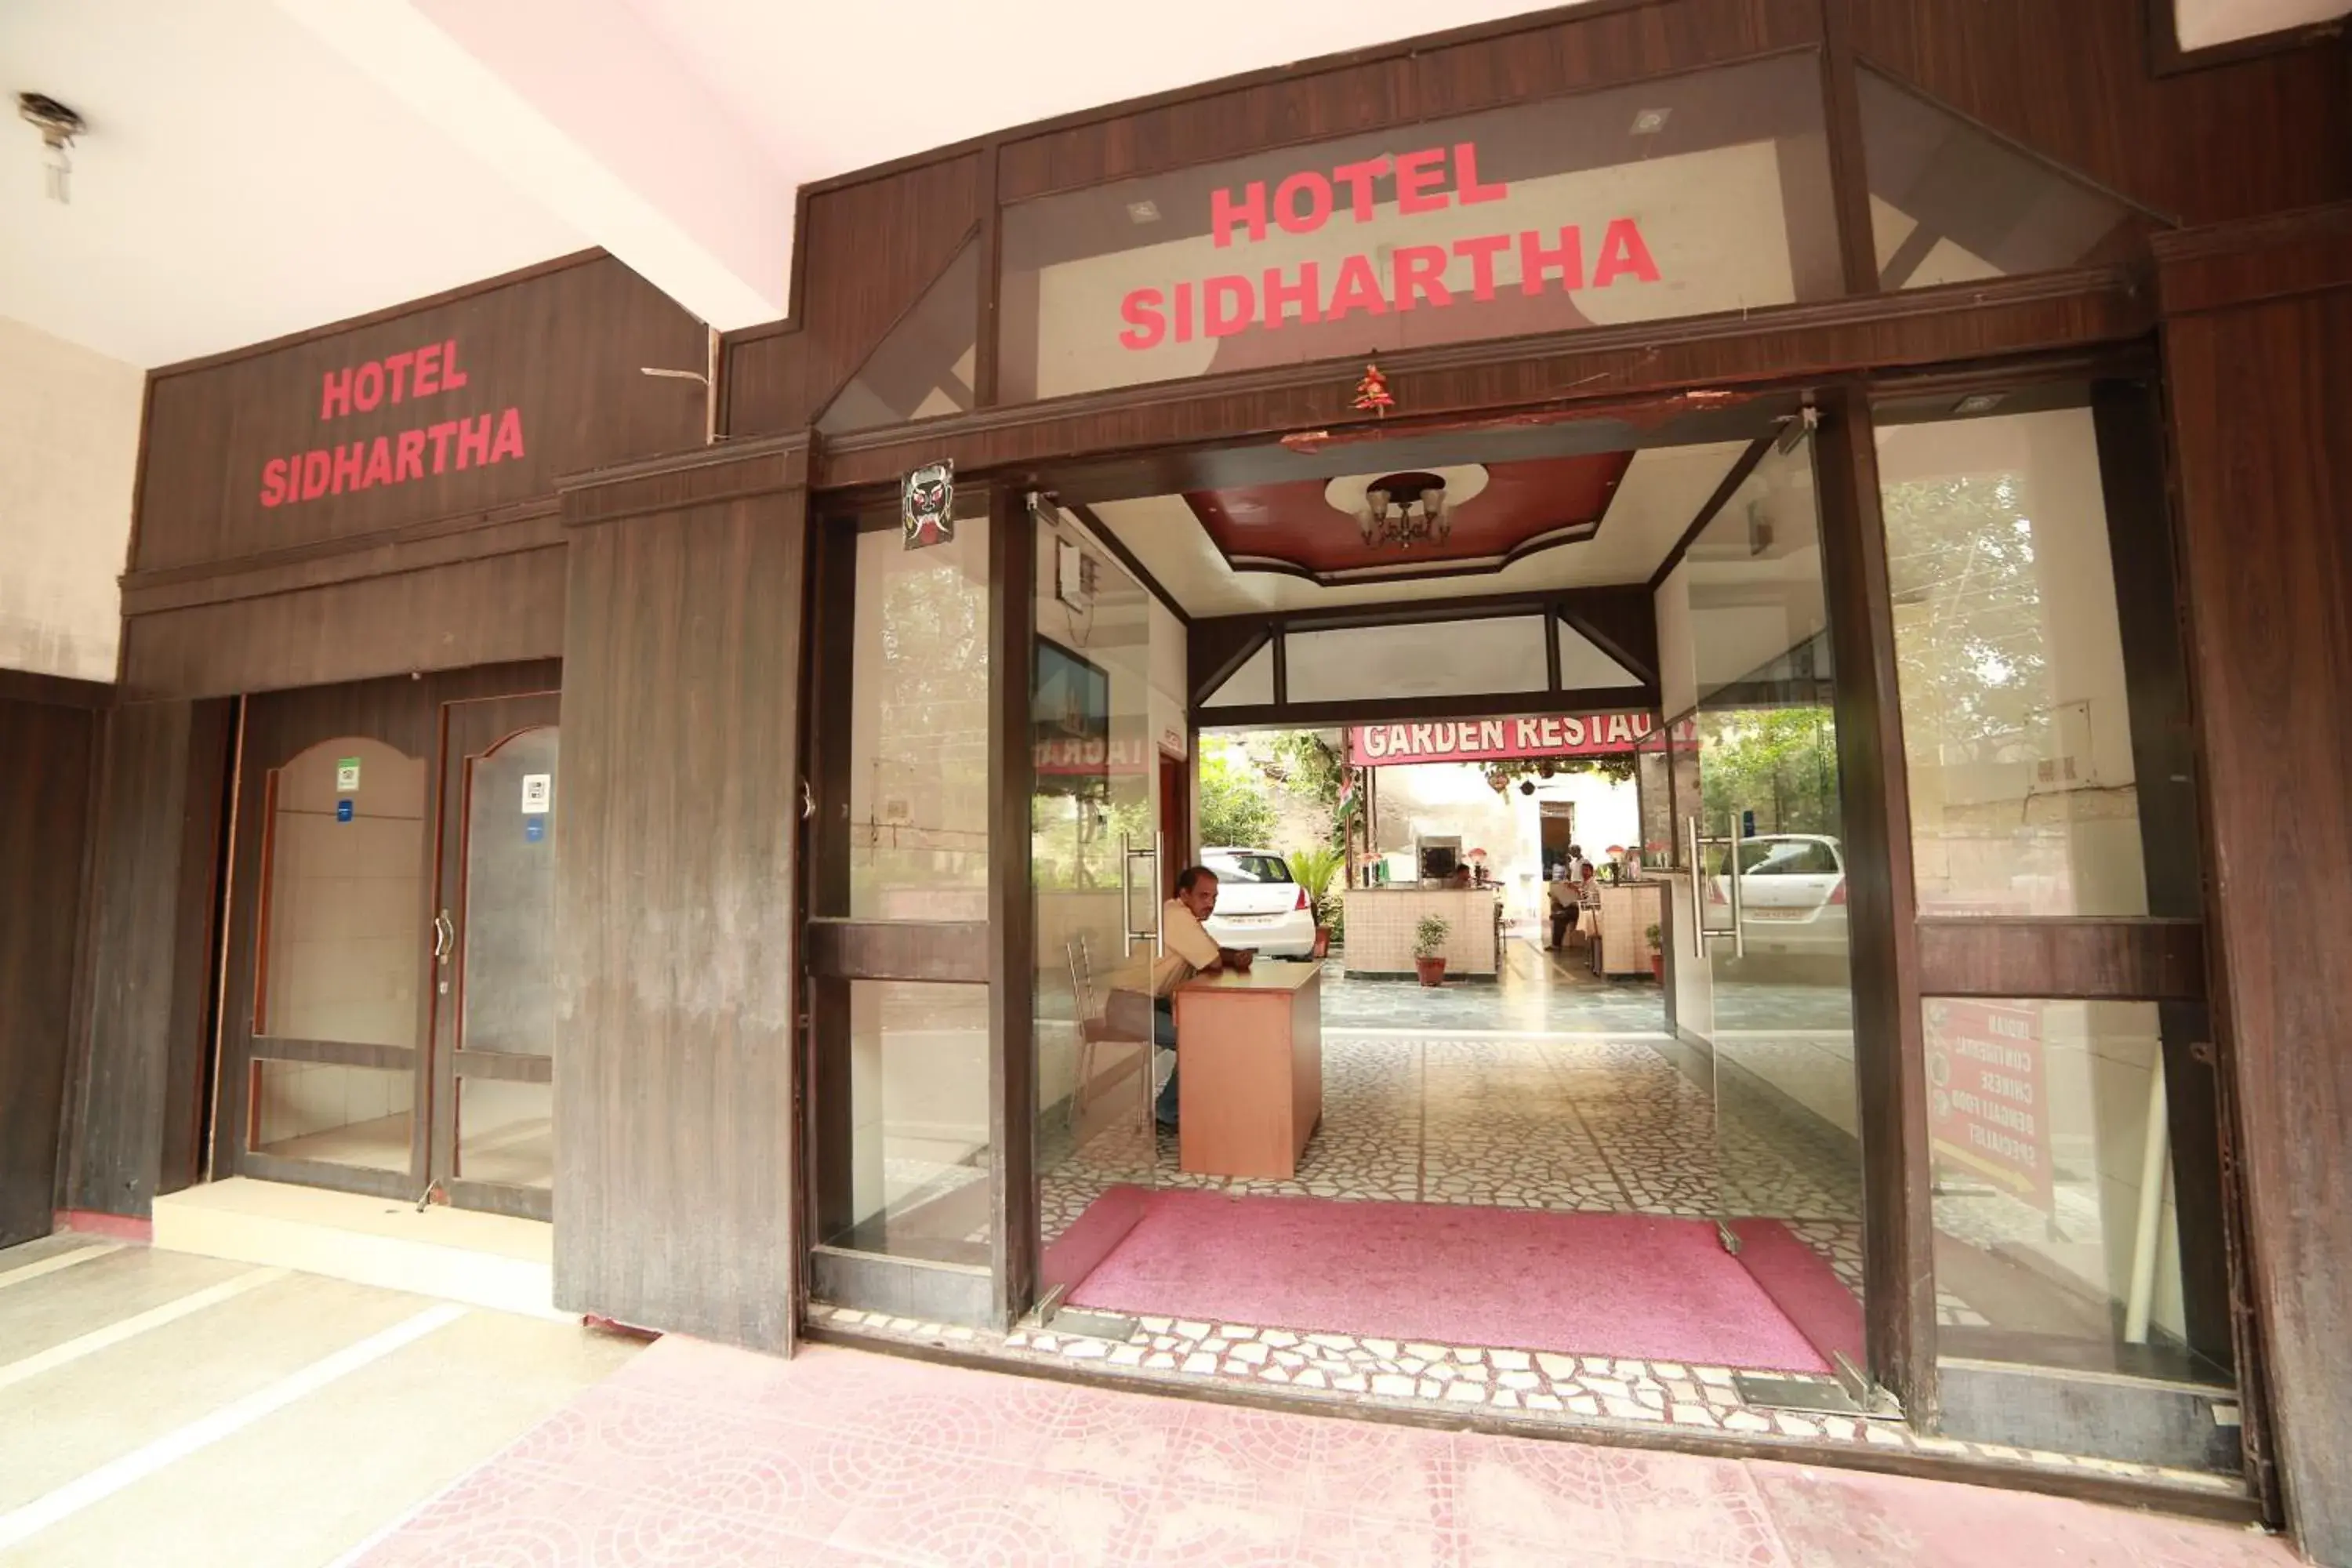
(808, 801)
(444, 936)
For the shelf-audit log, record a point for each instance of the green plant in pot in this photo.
(1429, 949)
(1657, 954)
(1315, 869)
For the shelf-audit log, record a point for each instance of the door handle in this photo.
(808, 801)
(444, 937)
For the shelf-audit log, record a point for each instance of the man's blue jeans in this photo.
(1163, 1035)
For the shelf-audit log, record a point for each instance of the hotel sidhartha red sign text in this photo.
(442, 440)
(1409, 278)
(1498, 740)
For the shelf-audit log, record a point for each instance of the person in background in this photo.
(1560, 896)
(1186, 950)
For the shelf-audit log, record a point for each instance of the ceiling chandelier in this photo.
(1402, 511)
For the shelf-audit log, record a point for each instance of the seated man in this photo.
(1560, 896)
(1186, 950)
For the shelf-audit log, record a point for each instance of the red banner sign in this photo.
(1987, 1107)
(1498, 740)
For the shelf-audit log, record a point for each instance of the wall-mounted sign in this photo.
(1499, 739)
(1987, 1107)
(343, 812)
(442, 437)
(347, 775)
(538, 791)
(926, 505)
(534, 828)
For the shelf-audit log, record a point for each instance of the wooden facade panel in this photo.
(2072, 82)
(1397, 86)
(761, 374)
(2155, 961)
(561, 347)
(503, 609)
(2261, 407)
(445, 541)
(2050, 312)
(142, 806)
(43, 811)
(869, 250)
(676, 951)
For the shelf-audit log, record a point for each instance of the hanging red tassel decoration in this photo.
(1373, 393)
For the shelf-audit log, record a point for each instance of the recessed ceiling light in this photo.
(1650, 121)
(1143, 212)
(1976, 403)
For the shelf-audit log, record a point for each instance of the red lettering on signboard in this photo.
(398, 456)
(1504, 739)
(1426, 180)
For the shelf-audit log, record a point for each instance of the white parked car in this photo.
(1259, 904)
(1791, 895)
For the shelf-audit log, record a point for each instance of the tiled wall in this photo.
(1380, 927)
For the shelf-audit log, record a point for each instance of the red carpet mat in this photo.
(1591, 1284)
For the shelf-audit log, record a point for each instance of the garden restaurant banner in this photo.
(1502, 739)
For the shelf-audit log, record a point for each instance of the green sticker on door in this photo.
(347, 776)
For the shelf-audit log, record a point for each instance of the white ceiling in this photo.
(256, 167)
(1661, 491)
(237, 182)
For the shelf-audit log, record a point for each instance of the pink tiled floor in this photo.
(708, 1457)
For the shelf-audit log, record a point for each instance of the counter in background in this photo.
(1627, 914)
(1381, 922)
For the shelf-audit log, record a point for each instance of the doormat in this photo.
(1590, 1284)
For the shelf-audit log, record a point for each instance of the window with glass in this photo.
(1950, 201)
(1600, 209)
(2011, 666)
(2058, 1231)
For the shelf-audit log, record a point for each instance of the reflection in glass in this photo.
(913, 1178)
(1093, 822)
(1771, 995)
(1950, 203)
(918, 727)
(506, 1131)
(2016, 721)
(923, 369)
(2057, 1239)
(507, 980)
(344, 921)
(1320, 255)
(1653, 786)
(336, 1114)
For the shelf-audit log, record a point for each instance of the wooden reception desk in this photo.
(1249, 1049)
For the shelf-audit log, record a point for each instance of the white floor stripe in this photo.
(1349, 1032)
(97, 1340)
(57, 1260)
(139, 1463)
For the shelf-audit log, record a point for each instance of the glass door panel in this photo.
(334, 1024)
(1097, 868)
(1769, 883)
(494, 956)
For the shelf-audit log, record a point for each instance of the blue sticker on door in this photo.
(342, 811)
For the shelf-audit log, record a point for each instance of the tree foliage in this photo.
(1237, 803)
(1971, 631)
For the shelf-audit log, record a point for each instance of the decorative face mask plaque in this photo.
(926, 505)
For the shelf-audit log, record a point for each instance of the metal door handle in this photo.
(444, 936)
(1129, 936)
(808, 801)
(1738, 904)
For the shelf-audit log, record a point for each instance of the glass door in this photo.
(1767, 884)
(1097, 864)
(493, 956)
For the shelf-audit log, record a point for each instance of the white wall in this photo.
(68, 456)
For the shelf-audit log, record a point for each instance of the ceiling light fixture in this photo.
(1402, 511)
(1976, 403)
(58, 126)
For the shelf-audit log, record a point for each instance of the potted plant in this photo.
(1315, 870)
(1429, 949)
(1657, 955)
